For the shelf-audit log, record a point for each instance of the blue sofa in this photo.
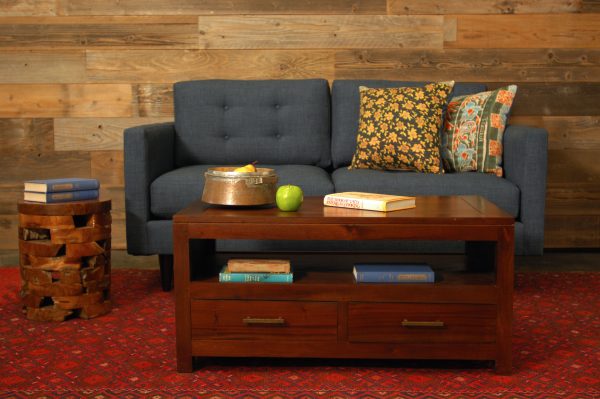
(307, 133)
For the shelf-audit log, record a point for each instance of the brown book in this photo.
(258, 266)
(369, 201)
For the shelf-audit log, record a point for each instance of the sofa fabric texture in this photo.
(165, 163)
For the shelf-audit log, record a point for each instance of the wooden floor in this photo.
(552, 260)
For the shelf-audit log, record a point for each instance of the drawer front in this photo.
(421, 323)
(268, 320)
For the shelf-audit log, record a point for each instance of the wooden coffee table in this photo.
(465, 314)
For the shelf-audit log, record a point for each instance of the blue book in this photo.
(65, 196)
(393, 273)
(225, 276)
(60, 185)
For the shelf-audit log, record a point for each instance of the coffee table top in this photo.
(455, 210)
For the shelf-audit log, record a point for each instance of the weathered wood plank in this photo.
(42, 66)
(335, 31)
(93, 134)
(89, 32)
(481, 65)
(555, 99)
(527, 31)
(46, 222)
(67, 100)
(9, 231)
(579, 199)
(79, 235)
(566, 132)
(572, 231)
(11, 193)
(108, 167)
(168, 66)
(570, 167)
(27, 7)
(46, 165)
(483, 7)
(590, 6)
(25, 135)
(212, 7)
(154, 100)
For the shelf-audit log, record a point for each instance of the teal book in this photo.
(64, 196)
(393, 273)
(225, 276)
(60, 185)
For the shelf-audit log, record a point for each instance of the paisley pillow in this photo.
(399, 128)
(473, 130)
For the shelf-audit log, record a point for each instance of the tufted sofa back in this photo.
(240, 121)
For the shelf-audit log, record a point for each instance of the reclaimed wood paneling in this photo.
(578, 200)
(483, 6)
(168, 66)
(11, 193)
(45, 66)
(64, 100)
(590, 6)
(47, 165)
(25, 136)
(527, 31)
(107, 167)
(211, 7)
(95, 134)
(566, 231)
(154, 100)
(566, 132)
(27, 7)
(481, 65)
(90, 32)
(335, 31)
(9, 231)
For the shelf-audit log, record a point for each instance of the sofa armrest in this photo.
(149, 153)
(525, 164)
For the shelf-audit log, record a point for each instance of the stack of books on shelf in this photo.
(369, 201)
(61, 190)
(257, 271)
(393, 273)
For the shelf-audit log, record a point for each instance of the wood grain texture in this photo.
(67, 100)
(95, 134)
(107, 167)
(565, 231)
(26, 136)
(168, 66)
(527, 31)
(89, 32)
(44, 165)
(9, 231)
(27, 7)
(335, 31)
(572, 167)
(11, 193)
(566, 132)
(481, 65)
(42, 66)
(154, 100)
(483, 6)
(578, 200)
(590, 6)
(210, 7)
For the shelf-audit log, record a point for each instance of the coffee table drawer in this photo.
(421, 323)
(272, 320)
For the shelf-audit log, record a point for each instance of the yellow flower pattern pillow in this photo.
(399, 128)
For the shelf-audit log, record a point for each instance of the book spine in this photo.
(256, 277)
(72, 196)
(73, 186)
(394, 277)
(355, 203)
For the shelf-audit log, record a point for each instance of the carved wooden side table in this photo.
(64, 258)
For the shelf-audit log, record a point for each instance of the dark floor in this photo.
(552, 260)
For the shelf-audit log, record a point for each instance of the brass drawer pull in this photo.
(256, 320)
(408, 323)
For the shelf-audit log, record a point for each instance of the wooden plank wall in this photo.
(75, 73)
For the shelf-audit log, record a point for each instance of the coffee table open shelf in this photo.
(465, 314)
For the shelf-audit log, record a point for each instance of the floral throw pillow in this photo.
(399, 128)
(473, 130)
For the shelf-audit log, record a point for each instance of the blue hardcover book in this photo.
(64, 196)
(225, 276)
(393, 273)
(60, 185)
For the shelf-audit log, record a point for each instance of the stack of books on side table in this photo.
(393, 273)
(257, 271)
(61, 190)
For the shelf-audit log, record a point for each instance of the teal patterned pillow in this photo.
(473, 129)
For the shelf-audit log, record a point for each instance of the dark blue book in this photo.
(227, 277)
(64, 196)
(60, 185)
(393, 273)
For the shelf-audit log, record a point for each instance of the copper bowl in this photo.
(223, 186)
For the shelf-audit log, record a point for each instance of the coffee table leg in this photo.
(505, 255)
(182, 298)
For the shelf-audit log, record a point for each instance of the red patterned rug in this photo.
(130, 353)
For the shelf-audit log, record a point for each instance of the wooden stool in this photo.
(64, 258)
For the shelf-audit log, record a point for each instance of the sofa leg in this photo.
(166, 271)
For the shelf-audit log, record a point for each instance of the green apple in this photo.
(289, 198)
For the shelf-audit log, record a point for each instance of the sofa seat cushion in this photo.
(176, 189)
(496, 189)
